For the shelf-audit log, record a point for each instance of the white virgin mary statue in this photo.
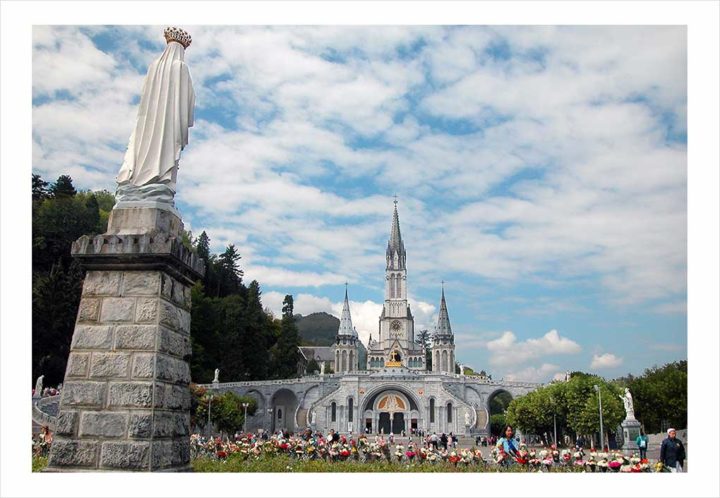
(166, 111)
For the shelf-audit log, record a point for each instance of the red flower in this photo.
(222, 454)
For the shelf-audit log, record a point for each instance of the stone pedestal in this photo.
(631, 430)
(125, 404)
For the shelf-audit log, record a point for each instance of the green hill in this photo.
(317, 329)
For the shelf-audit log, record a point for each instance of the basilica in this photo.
(395, 390)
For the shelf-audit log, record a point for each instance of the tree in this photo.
(312, 366)
(285, 351)
(55, 301)
(497, 424)
(257, 338)
(574, 404)
(205, 333)
(232, 357)
(226, 410)
(39, 188)
(424, 339)
(63, 187)
(660, 395)
(229, 272)
(57, 223)
(203, 247)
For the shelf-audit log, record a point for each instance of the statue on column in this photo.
(628, 402)
(166, 111)
(217, 376)
(467, 418)
(322, 368)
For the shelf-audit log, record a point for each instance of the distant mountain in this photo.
(317, 329)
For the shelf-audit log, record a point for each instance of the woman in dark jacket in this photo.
(672, 452)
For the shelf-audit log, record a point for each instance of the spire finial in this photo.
(346, 296)
(395, 201)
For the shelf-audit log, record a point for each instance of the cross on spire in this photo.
(395, 201)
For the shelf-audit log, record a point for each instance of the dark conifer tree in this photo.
(63, 187)
(39, 188)
(286, 348)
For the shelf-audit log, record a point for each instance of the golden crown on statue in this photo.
(179, 35)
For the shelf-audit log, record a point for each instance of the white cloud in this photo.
(506, 349)
(543, 373)
(562, 166)
(280, 277)
(671, 308)
(605, 360)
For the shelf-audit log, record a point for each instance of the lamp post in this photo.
(602, 432)
(245, 406)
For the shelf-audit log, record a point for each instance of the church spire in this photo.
(443, 325)
(395, 244)
(346, 327)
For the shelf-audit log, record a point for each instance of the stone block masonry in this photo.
(126, 384)
(126, 401)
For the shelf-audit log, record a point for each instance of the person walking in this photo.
(672, 452)
(642, 443)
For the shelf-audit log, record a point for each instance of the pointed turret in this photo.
(346, 327)
(443, 347)
(443, 325)
(346, 344)
(395, 253)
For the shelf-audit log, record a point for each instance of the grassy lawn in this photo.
(38, 463)
(283, 463)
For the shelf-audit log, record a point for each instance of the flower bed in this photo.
(314, 453)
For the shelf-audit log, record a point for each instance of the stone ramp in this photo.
(44, 412)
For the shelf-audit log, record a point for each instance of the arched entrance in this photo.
(497, 404)
(284, 403)
(390, 411)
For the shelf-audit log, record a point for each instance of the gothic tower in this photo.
(346, 348)
(443, 348)
(395, 346)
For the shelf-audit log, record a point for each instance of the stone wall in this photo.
(125, 402)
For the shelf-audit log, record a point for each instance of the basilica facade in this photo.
(397, 391)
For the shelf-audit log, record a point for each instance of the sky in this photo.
(540, 172)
